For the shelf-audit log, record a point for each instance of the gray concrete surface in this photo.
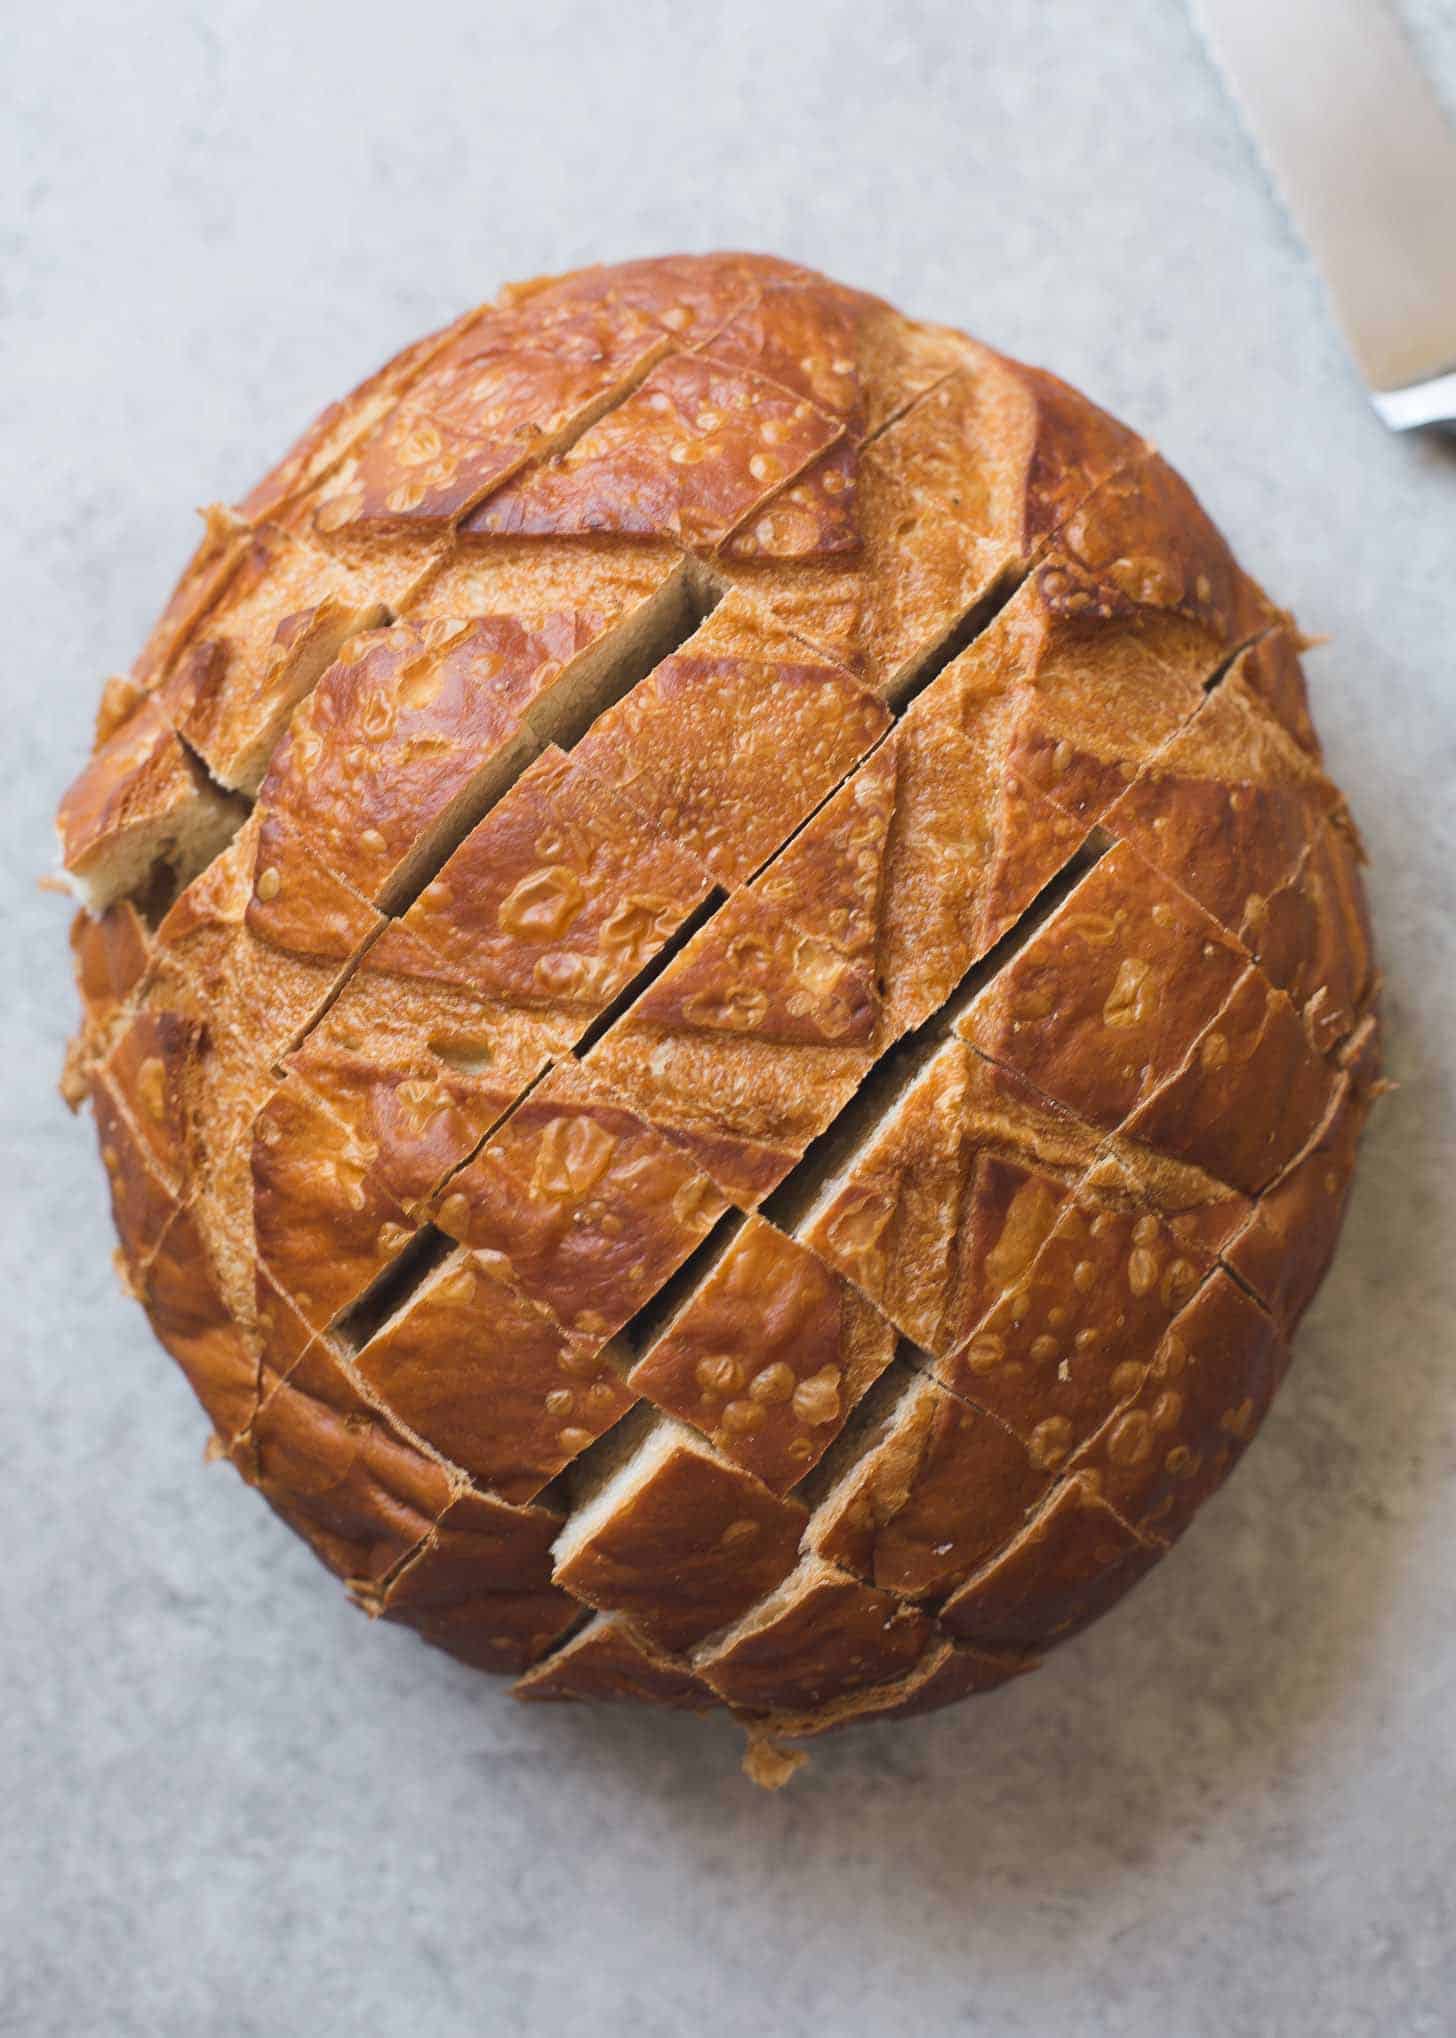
(226, 1804)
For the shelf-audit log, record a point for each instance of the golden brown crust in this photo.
(1158, 1458)
(945, 1674)
(852, 356)
(768, 1356)
(418, 1065)
(142, 1206)
(941, 1485)
(1141, 547)
(745, 1046)
(1074, 1558)
(562, 894)
(147, 1071)
(325, 1459)
(109, 952)
(480, 1586)
(716, 739)
(691, 297)
(687, 457)
(274, 627)
(734, 740)
(325, 1224)
(607, 1661)
(947, 1198)
(142, 801)
(691, 1545)
(1283, 1251)
(183, 1295)
(1253, 1047)
(413, 730)
(264, 935)
(1072, 1334)
(1229, 805)
(492, 1379)
(511, 386)
(592, 1208)
(1103, 1003)
(821, 1635)
(958, 492)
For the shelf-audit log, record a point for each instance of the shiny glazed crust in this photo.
(727, 1009)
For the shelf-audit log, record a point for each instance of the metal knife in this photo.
(1366, 162)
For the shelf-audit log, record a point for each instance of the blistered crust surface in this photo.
(726, 1006)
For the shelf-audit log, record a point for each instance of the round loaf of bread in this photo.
(726, 1004)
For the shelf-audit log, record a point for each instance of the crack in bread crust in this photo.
(724, 987)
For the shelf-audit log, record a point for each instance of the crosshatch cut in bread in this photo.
(725, 1001)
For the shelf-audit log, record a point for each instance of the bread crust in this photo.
(727, 1008)
(607, 1661)
(768, 1355)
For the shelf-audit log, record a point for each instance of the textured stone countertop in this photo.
(229, 1806)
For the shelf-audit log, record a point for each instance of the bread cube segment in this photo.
(679, 1539)
(1230, 808)
(822, 1634)
(937, 1485)
(947, 1672)
(1139, 546)
(142, 1204)
(1284, 1249)
(1271, 671)
(829, 879)
(745, 1047)
(148, 1071)
(513, 386)
(932, 844)
(687, 456)
(1315, 937)
(325, 1458)
(1074, 1559)
(265, 934)
(217, 1084)
(325, 1224)
(274, 628)
(727, 1008)
(414, 732)
(1208, 1389)
(561, 895)
(949, 502)
(109, 955)
(474, 576)
(183, 1293)
(1072, 1334)
(690, 297)
(492, 1380)
(608, 1661)
(1103, 1002)
(593, 1209)
(480, 1587)
(734, 740)
(850, 355)
(142, 802)
(419, 1065)
(949, 1195)
(751, 971)
(1254, 1045)
(768, 1355)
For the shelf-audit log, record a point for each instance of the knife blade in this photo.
(1365, 160)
